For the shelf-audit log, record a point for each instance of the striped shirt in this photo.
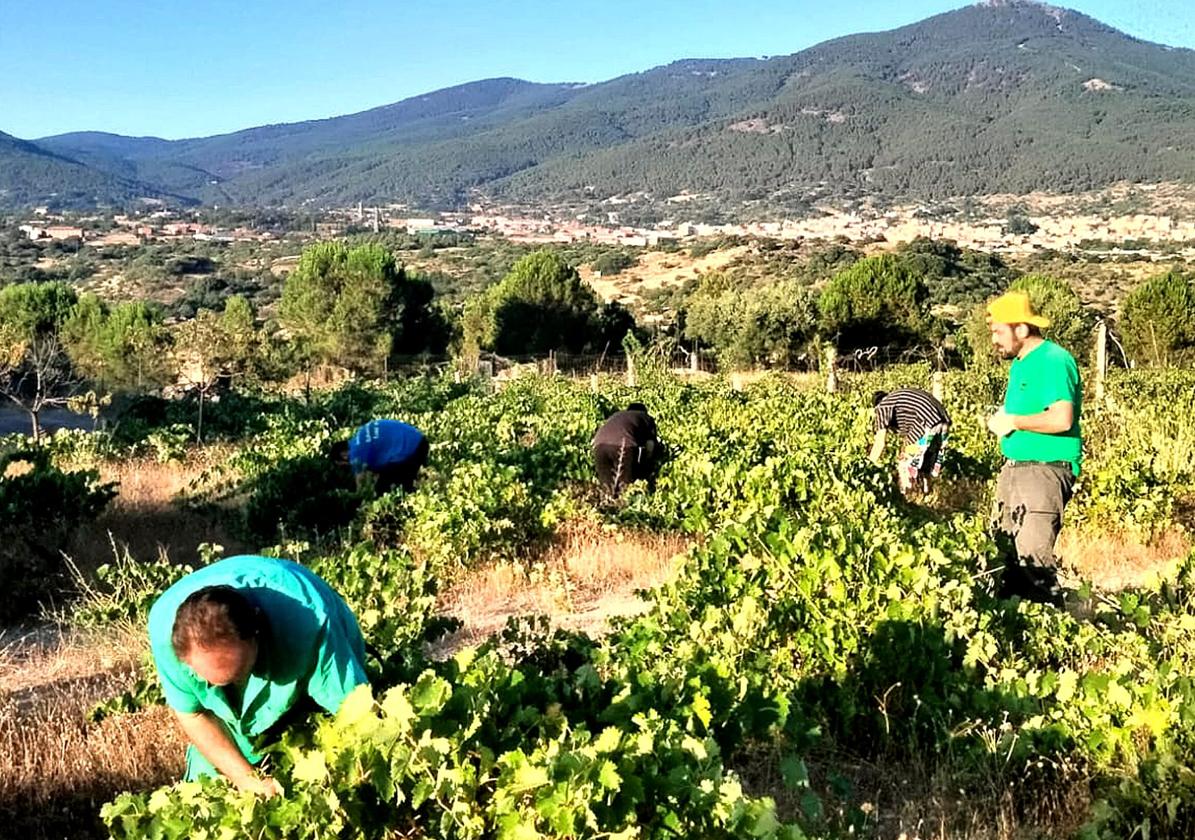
(911, 412)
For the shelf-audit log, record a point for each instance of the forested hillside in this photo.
(1003, 97)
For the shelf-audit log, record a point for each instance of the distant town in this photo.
(1144, 235)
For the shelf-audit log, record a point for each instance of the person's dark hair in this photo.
(878, 397)
(637, 406)
(340, 451)
(213, 617)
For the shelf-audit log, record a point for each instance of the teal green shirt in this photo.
(311, 646)
(1043, 377)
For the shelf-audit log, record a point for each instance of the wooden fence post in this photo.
(1101, 359)
(630, 370)
(831, 370)
(938, 384)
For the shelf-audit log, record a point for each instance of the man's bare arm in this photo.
(877, 447)
(211, 739)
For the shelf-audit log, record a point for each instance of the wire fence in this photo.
(938, 357)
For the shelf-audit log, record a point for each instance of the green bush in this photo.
(878, 300)
(614, 262)
(304, 496)
(1157, 320)
(39, 511)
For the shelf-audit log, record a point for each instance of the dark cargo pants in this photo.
(402, 473)
(1027, 516)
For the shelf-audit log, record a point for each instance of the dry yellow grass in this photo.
(586, 577)
(1115, 561)
(56, 769)
(657, 269)
(146, 517)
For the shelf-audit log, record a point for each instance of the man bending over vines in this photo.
(244, 646)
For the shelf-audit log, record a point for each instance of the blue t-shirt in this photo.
(380, 443)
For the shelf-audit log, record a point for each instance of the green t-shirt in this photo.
(311, 647)
(1043, 377)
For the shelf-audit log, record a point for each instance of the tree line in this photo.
(353, 306)
(349, 306)
(926, 295)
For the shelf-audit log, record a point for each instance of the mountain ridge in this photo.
(1007, 96)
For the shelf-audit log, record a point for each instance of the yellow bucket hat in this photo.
(1014, 308)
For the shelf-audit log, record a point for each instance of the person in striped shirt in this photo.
(925, 427)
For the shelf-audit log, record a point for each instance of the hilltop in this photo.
(1006, 97)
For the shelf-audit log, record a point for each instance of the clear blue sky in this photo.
(191, 69)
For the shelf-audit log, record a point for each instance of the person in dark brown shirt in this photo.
(625, 448)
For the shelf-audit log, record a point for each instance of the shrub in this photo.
(1158, 320)
(40, 509)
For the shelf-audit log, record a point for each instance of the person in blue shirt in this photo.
(242, 644)
(391, 451)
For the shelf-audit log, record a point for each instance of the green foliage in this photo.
(300, 497)
(1019, 225)
(35, 309)
(817, 604)
(1141, 463)
(40, 509)
(1070, 322)
(614, 262)
(144, 693)
(753, 327)
(539, 306)
(1157, 320)
(456, 752)
(120, 348)
(957, 278)
(354, 306)
(392, 594)
(124, 590)
(34, 369)
(213, 345)
(334, 303)
(879, 300)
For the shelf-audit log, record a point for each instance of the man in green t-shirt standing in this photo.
(242, 643)
(1038, 429)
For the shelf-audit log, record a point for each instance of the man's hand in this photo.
(210, 736)
(1001, 424)
(263, 786)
